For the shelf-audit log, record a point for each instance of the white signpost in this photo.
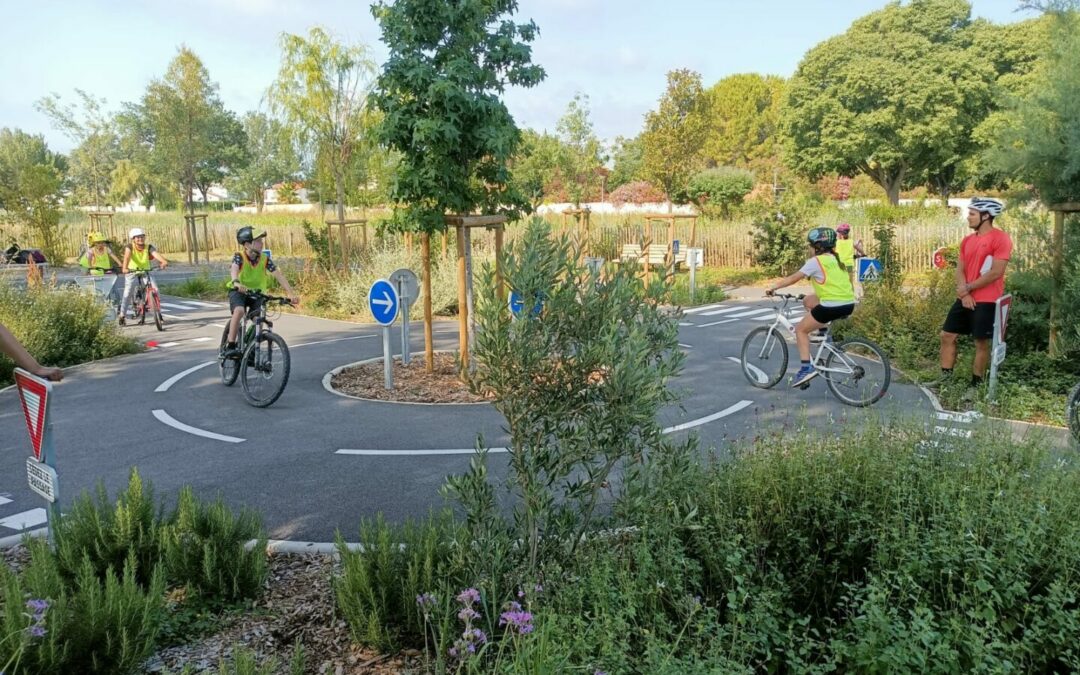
(35, 394)
(408, 289)
(997, 351)
(694, 258)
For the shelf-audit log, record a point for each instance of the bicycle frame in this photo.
(783, 319)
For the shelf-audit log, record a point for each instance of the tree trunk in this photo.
(260, 198)
(339, 185)
(429, 342)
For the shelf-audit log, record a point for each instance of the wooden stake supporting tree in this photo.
(343, 227)
(102, 221)
(191, 229)
(463, 225)
(670, 219)
(582, 227)
(1058, 268)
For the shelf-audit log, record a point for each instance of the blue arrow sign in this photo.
(870, 269)
(383, 301)
(517, 303)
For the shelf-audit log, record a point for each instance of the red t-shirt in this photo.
(978, 251)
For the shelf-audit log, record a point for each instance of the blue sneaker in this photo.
(803, 377)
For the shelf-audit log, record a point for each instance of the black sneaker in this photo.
(231, 352)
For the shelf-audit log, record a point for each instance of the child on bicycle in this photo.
(833, 297)
(137, 258)
(98, 258)
(251, 271)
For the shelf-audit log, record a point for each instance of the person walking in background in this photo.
(980, 281)
(847, 248)
(22, 358)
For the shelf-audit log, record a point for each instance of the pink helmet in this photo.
(843, 227)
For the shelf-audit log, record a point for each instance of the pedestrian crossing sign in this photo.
(870, 269)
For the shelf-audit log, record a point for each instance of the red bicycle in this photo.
(147, 300)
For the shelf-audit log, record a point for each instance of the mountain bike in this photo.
(264, 362)
(856, 370)
(147, 300)
(1072, 412)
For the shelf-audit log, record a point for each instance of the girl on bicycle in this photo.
(137, 257)
(833, 297)
(98, 258)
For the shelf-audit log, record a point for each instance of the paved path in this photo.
(315, 462)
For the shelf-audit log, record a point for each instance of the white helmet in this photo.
(987, 205)
(136, 232)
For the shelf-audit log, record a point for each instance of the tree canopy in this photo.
(744, 121)
(675, 133)
(579, 155)
(439, 91)
(896, 96)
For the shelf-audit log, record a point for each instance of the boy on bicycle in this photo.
(833, 297)
(251, 271)
(137, 257)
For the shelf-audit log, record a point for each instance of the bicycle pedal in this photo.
(804, 387)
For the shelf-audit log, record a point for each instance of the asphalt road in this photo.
(315, 462)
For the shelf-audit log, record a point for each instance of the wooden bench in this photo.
(658, 256)
(630, 253)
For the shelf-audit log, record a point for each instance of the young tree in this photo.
(898, 94)
(439, 94)
(31, 178)
(94, 132)
(626, 162)
(321, 94)
(271, 158)
(674, 134)
(138, 173)
(535, 165)
(579, 152)
(181, 109)
(720, 188)
(228, 151)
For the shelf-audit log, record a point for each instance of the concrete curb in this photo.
(326, 383)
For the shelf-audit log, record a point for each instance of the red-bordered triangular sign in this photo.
(1004, 305)
(34, 395)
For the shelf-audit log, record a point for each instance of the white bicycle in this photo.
(856, 370)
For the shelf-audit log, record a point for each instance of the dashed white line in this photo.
(753, 312)
(716, 323)
(793, 315)
(199, 303)
(164, 386)
(4, 500)
(759, 374)
(166, 418)
(25, 520)
(702, 308)
(177, 305)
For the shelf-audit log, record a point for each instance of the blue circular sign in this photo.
(383, 301)
(517, 303)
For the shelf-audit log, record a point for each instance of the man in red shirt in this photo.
(980, 281)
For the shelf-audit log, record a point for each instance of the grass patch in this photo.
(201, 287)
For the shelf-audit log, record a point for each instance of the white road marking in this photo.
(726, 310)
(217, 325)
(164, 386)
(730, 410)
(199, 303)
(793, 315)
(753, 312)
(716, 323)
(686, 323)
(4, 500)
(167, 344)
(167, 419)
(25, 520)
(323, 342)
(702, 308)
(686, 346)
(758, 373)
(176, 305)
(963, 433)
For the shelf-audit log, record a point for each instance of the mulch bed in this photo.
(412, 383)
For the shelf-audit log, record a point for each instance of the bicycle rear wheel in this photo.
(228, 368)
(864, 374)
(764, 357)
(264, 370)
(1072, 412)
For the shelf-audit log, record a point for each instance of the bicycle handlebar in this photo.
(787, 296)
(259, 295)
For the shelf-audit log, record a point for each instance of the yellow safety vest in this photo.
(845, 248)
(140, 260)
(837, 284)
(98, 262)
(253, 275)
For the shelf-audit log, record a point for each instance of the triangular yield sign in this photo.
(34, 397)
(1004, 320)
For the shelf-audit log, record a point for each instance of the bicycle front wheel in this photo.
(229, 368)
(857, 372)
(155, 306)
(1072, 412)
(764, 357)
(264, 370)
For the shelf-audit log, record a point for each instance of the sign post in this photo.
(383, 302)
(408, 289)
(35, 394)
(694, 258)
(997, 351)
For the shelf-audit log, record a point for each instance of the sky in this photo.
(616, 52)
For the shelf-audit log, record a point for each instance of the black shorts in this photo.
(823, 314)
(238, 299)
(978, 322)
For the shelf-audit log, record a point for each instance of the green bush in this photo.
(719, 189)
(204, 547)
(108, 534)
(202, 287)
(91, 625)
(780, 235)
(379, 584)
(60, 327)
